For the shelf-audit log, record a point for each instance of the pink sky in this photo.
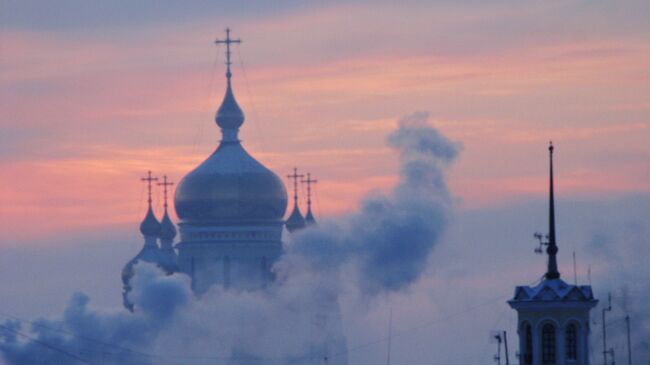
(86, 111)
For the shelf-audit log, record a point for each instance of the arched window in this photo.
(528, 345)
(571, 337)
(548, 344)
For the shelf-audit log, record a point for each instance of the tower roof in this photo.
(552, 271)
(552, 289)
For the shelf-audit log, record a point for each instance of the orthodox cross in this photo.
(309, 181)
(228, 42)
(149, 180)
(165, 184)
(295, 178)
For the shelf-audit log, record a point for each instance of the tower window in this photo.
(528, 345)
(571, 337)
(548, 344)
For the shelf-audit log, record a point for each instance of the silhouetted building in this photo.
(553, 316)
(150, 252)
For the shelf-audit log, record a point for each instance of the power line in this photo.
(47, 345)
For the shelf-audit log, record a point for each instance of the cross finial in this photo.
(309, 181)
(149, 180)
(295, 176)
(165, 184)
(228, 41)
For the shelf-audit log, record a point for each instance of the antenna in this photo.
(496, 336)
(575, 272)
(607, 309)
(540, 238)
(629, 348)
(390, 334)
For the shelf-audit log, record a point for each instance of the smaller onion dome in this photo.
(309, 218)
(150, 225)
(295, 221)
(167, 228)
(229, 115)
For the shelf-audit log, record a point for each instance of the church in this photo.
(231, 212)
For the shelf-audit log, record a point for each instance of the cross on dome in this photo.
(149, 180)
(309, 218)
(165, 184)
(295, 176)
(150, 226)
(228, 42)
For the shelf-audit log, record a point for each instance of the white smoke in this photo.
(382, 248)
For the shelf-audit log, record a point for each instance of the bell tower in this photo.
(553, 316)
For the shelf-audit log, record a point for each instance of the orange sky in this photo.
(86, 111)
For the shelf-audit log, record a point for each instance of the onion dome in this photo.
(167, 228)
(229, 116)
(230, 186)
(309, 218)
(295, 221)
(150, 225)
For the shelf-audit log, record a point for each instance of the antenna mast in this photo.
(390, 334)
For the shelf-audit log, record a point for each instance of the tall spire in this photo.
(229, 116)
(309, 217)
(552, 272)
(296, 221)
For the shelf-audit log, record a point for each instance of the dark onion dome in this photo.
(295, 221)
(230, 186)
(150, 225)
(309, 218)
(167, 228)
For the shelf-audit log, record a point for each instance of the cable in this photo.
(202, 123)
(45, 344)
(256, 118)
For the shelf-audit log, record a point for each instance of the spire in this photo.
(150, 225)
(229, 116)
(552, 272)
(296, 220)
(309, 218)
(167, 230)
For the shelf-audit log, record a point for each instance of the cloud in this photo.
(385, 246)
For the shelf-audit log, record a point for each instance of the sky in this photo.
(92, 95)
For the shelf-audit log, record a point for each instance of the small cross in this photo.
(165, 184)
(149, 179)
(228, 42)
(295, 178)
(309, 181)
